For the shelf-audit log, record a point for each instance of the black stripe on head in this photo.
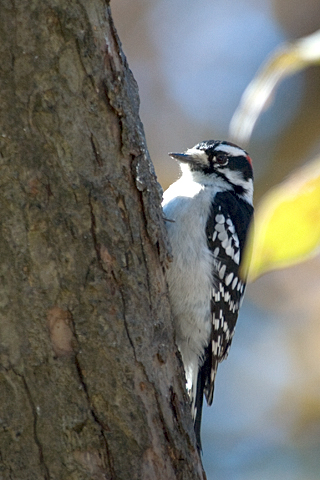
(240, 164)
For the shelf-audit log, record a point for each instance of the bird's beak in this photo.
(182, 157)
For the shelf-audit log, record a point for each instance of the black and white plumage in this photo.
(207, 212)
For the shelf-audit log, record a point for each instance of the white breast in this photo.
(190, 276)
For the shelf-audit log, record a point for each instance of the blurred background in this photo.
(192, 62)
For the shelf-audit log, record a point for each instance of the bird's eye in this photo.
(221, 159)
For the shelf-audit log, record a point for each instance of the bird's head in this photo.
(215, 161)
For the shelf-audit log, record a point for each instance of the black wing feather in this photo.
(226, 242)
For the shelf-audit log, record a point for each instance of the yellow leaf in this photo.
(287, 60)
(287, 223)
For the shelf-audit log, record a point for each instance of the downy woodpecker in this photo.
(207, 212)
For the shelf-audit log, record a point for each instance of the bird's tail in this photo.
(198, 407)
(205, 386)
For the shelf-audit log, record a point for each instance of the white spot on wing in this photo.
(215, 347)
(236, 257)
(216, 251)
(229, 278)
(220, 218)
(225, 243)
(222, 271)
(232, 229)
(223, 236)
(230, 251)
(220, 227)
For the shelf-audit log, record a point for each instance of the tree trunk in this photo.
(90, 383)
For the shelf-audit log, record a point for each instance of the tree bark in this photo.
(90, 383)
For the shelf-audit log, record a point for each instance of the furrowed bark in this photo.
(91, 385)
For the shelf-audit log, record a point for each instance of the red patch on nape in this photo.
(249, 160)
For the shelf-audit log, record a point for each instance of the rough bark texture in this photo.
(88, 382)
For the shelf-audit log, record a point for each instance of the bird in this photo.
(207, 213)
